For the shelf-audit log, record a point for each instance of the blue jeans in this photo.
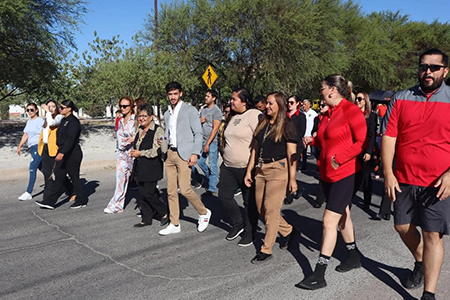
(211, 171)
(35, 163)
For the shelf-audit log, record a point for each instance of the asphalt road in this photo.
(86, 254)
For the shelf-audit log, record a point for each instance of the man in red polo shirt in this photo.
(417, 131)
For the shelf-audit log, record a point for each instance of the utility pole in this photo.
(158, 105)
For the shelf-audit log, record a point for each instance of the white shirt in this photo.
(50, 122)
(310, 116)
(173, 124)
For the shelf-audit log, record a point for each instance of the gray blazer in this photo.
(189, 131)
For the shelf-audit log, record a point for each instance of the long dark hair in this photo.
(53, 115)
(71, 104)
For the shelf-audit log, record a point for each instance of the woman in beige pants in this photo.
(275, 159)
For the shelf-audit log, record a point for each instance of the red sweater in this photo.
(342, 133)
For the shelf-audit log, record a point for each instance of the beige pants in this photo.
(178, 170)
(270, 189)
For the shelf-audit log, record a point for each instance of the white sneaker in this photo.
(203, 221)
(108, 211)
(170, 229)
(25, 196)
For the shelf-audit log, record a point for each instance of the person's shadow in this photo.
(89, 188)
(211, 202)
(311, 236)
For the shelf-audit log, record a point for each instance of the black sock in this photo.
(321, 266)
(429, 294)
(352, 250)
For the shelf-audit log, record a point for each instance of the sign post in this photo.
(209, 77)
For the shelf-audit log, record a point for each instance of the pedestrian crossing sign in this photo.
(209, 77)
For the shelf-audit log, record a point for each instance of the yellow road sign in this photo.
(209, 77)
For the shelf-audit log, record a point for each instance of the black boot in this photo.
(353, 262)
(316, 280)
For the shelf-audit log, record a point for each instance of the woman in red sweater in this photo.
(341, 137)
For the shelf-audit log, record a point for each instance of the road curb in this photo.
(86, 167)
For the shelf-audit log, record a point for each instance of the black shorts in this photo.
(420, 206)
(339, 194)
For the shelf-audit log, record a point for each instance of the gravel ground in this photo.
(97, 143)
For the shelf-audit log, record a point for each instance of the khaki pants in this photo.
(178, 171)
(270, 184)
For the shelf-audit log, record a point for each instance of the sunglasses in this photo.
(433, 68)
(291, 102)
(30, 109)
(124, 106)
(359, 99)
(62, 107)
(322, 105)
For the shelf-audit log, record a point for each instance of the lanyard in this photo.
(266, 133)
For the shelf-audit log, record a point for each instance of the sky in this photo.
(126, 18)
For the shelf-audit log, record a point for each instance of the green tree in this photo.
(34, 36)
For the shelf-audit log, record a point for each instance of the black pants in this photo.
(386, 205)
(150, 202)
(70, 165)
(304, 160)
(48, 163)
(366, 184)
(230, 180)
(320, 199)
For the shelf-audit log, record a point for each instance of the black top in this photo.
(300, 123)
(144, 168)
(277, 150)
(68, 134)
(371, 132)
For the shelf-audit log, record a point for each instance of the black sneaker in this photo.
(286, 241)
(246, 241)
(77, 206)
(43, 205)
(415, 279)
(349, 265)
(260, 258)
(311, 283)
(234, 233)
(198, 185)
(237, 192)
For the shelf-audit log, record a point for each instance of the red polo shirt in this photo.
(421, 124)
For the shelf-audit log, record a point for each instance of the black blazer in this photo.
(300, 124)
(144, 168)
(371, 132)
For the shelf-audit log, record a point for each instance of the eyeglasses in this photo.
(62, 107)
(124, 106)
(30, 109)
(433, 68)
(142, 116)
(359, 99)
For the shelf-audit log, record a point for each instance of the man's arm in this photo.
(196, 128)
(387, 159)
(212, 136)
